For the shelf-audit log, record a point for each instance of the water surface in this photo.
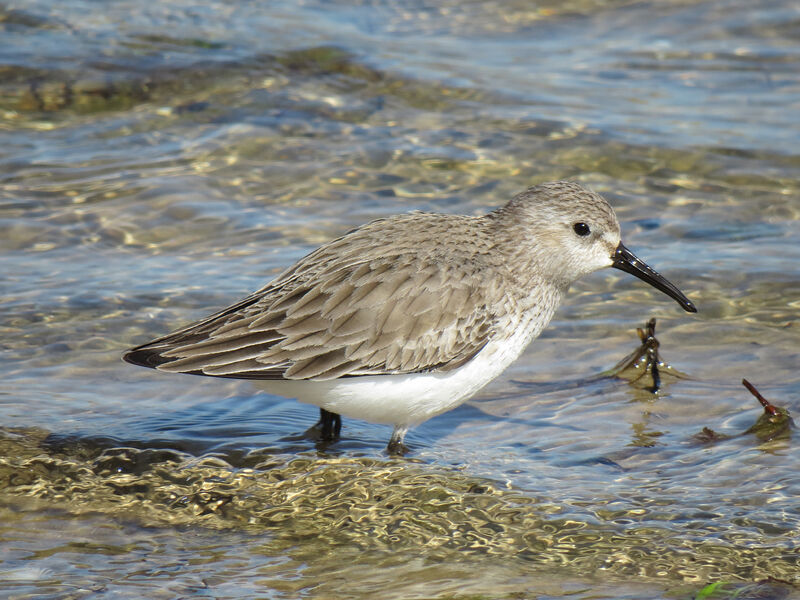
(161, 161)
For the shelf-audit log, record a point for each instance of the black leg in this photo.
(330, 425)
(396, 446)
(337, 426)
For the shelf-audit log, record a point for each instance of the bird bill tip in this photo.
(625, 260)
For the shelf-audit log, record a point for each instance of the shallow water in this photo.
(161, 161)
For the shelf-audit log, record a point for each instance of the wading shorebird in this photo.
(408, 316)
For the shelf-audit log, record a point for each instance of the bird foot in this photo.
(397, 449)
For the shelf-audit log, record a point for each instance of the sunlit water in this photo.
(161, 160)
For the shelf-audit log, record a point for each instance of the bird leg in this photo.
(396, 446)
(329, 425)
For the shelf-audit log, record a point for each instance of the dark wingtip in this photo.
(143, 356)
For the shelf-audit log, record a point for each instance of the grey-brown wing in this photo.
(350, 308)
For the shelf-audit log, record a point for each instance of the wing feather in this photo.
(376, 301)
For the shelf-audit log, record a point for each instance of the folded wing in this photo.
(348, 309)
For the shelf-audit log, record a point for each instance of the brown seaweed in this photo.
(644, 365)
(774, 423)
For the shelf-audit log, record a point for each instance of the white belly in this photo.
(407, 400)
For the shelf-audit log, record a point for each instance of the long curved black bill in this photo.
(625, 260)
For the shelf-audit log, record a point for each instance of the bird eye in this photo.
(582, 229)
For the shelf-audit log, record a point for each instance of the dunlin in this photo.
(407, 317)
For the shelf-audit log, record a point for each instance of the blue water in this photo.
(160, 161)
